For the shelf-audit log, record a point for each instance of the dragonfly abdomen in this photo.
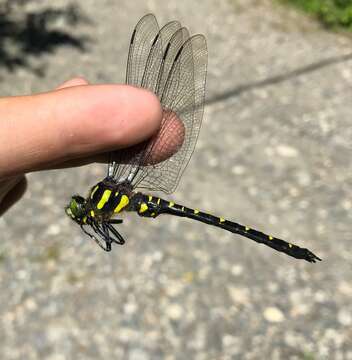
(150, 206)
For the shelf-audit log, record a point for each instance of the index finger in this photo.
(72, 123)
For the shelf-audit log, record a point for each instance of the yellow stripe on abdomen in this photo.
(143, 208)
(104, 199)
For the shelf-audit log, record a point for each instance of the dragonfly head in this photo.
(76, 209)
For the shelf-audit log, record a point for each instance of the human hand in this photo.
(70, 126)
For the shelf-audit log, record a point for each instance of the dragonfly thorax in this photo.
(108, 198)
(105, 199)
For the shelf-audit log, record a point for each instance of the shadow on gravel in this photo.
(29, 30)
(278, 78)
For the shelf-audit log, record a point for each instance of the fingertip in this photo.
(110, 117)
(153, 109)
(74, 122)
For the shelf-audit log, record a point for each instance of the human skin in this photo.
(73, 125)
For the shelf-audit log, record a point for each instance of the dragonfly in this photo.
(173, 65)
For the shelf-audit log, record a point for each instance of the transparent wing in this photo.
(175, 70)
(140, 45)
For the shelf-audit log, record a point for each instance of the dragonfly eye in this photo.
(77, 208)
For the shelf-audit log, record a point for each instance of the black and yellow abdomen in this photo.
(150, 206)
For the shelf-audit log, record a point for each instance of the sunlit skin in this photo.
(57, 129)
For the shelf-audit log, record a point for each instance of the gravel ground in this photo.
(273, 153)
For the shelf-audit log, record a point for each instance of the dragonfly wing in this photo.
(173, 66)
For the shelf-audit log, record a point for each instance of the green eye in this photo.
(76, 208)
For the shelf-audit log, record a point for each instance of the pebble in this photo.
(344, 317)
(239, 296)
(229, 340)
(238, 170)
(273, 315)
(345, 288)
(174, 288)
(30, 304)
(236, 270)
(174, 312)
(138, 354)
(303, 178)
(130, 308)
(286, 151)
(53, 230)
(56, 357)
(56, 333)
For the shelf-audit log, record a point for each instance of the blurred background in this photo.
(275, 148)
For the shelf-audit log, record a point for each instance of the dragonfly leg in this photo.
(118, 239)
(107, 246)
(115, 221)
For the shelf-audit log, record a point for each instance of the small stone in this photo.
(236, 270)
(229, 340)
(138, 354)
(345, 288)
(286, 151)
(213, 162)
(239, 296)
(346, 73)
(238, 170)
(157, 256)
(53, 230)
(188, 277)
(30, 304)
(174, 312)
(130, 308)
(48, 201)
(273, 315)
(304, 178)
(320, 296)
(346, 204)
(293, 191)
(56, 357)
(344, 317)
(127, 335)
(56, 333)
(300, 310)
(174, 288)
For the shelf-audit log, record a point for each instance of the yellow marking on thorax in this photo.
(94, 191)
(247, 228)
(171, 204)
(183, 208)
(290, 245)
(123, 203)
(271, 238)
(150, 198)
(158, 202)
(221, 220)
(196, 211)
(92, 213)
(104, 199)
(85, 220)
(143, 208)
